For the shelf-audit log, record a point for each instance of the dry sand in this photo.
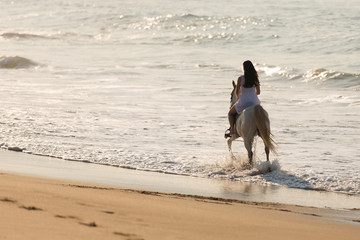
(40, 208)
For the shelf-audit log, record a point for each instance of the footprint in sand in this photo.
(129, 236)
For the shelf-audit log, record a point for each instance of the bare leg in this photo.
(231, 117)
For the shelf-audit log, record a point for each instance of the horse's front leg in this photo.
(229, 142)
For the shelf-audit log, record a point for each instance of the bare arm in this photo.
(257, 90)
(238, 85)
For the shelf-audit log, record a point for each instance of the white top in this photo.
(247, 98)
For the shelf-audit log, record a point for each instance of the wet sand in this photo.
(48, 167)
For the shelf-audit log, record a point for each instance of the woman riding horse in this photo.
(247, 89)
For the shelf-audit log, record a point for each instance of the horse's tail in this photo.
(263, 125)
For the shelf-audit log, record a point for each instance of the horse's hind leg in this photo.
(267, 157)
(267, 151)
(250, 155)
(248, 145)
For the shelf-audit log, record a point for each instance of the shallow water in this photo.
(147, 86)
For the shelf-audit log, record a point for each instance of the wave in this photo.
(324, 76)
(319, 76)
(16, 62)
(14, 35)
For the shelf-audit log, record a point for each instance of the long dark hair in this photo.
(251, 76)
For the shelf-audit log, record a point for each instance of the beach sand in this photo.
(40, 208)
(45, 208)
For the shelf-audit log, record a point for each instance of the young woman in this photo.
(247, 89)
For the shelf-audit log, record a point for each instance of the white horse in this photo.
(253, 121)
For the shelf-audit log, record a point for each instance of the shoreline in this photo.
(48, 167)
(53, 207)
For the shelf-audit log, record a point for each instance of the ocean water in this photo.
(146, 85)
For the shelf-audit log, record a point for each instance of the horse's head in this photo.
(233, 97)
